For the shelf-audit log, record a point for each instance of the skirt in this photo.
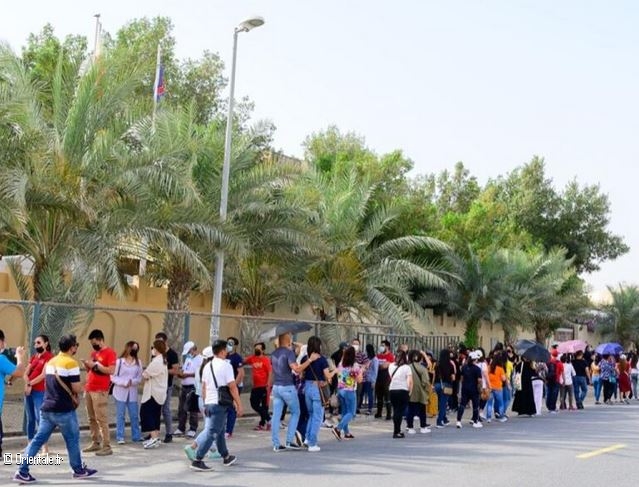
(150, 415)
(624, 382)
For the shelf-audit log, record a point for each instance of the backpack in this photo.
(551, 375)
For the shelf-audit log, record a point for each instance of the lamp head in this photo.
(249, 24)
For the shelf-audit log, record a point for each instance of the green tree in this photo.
(624, 309)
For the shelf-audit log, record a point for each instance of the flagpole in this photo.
(156, 85)
(98, 34)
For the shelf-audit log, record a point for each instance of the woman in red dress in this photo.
(623, 369)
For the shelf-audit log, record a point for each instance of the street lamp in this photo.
(216, 305)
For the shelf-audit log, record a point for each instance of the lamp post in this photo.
(216, 305)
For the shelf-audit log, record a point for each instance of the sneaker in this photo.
(411, 431)
(104, 452)
(259, 427)
(178, 432)
(121, 442)
(189, 452)
(283, 425)
(298, 438)
(84, 473)
(152, 443)
(478, 425)
(398, 435)
(92, 447)
(502, 419)
(292, 446)
(489, 420)
(214, 454)
(458, 424)
(200, 466)
(349, 436)
(440, 425)
(191, 434)
(424, 430)
(230, 460)
(26, 478)
(327, 424)
(336, 433)
(279, 448)
(168, 439)
(314, 448)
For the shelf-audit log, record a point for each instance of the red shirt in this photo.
(97, 381)
(261, 369)
(387, 356)
(36, 364)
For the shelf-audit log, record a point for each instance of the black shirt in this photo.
(580, 366)
(471, 375)
(171, 360)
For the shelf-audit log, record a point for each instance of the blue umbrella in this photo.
(285, 327)
(609, 349)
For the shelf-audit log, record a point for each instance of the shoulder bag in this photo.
(75, 401)
(446, 390)
(117, 373)
(328, 399)
(224, 397)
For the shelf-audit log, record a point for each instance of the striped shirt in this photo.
(56, 399)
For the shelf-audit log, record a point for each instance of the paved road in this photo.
(522, 452)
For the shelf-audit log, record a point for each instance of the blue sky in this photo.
(489, 83)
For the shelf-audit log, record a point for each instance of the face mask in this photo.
(381, 349)
(134, 352)
(258, 352)
(229, 348)
(96, 347)
(39, 349)
(356, 347)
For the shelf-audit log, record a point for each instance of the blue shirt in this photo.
(281, 360)
(315, 371)
(371, 373)
(6, 368)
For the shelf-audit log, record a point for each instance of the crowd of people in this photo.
(302, 381)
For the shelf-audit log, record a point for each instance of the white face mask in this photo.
(356, 347)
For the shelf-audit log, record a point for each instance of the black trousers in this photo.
(258, 403)
(399, 401)
(381, 394)
(182, 411)
(608, 389)
(473, 397)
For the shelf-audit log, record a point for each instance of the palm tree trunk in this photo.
(541, 332)
(178, 299)
(471, 335)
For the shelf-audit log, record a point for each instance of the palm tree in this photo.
(625, 312)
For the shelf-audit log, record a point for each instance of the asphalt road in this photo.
(523, 452)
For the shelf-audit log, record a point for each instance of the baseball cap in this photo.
(207, 352)
(187, 347)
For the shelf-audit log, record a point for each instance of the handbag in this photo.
(484, 394)
(224, 397)
(75, 401)
(517, 378)
(325, 392)
(117, 373)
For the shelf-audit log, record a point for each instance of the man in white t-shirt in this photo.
(218, 373)
(192, 362)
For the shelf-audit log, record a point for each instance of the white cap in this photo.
(187, 347)
(207, 352)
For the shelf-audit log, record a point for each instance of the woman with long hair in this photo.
(496, 379)
(634, 375)
(418, 398)
(154, 394)
(400, 387)
(623, 371)
(444, 377)
(349, 375)
(34, 384)
(126, 379)
(369, 379)
(596, 378)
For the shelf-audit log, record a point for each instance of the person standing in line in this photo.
(538, 381)
(62, 378)
(126, 379)
(34, 385)
(524, 402)
(99, 367)
(382, 397)
(418, 400)
(566, 383)
(444, 377)
(349, 375)
(10, 370)
(237, 362)
(400, 388)
(553, 377)
(154, 394)
(634, 375)
(471, 383)
(361, 359)
(497, 380)
(581, 378)
(595, 378)
(192, 362)
(623, 372)
(370, 377)
(173, 369)
(261, 367)
(608, 375)
(218, 373)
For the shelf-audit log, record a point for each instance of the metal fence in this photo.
(431, 343)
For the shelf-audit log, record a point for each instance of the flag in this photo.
(158, 89)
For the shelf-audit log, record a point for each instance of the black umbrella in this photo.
(284, 327)
(537, 352)
(522, 345)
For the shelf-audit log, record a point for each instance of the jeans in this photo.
(496, 403)
(442, 402)
(567, 390)
(281, 395)
(399, 400)
(347, 400)
(634, 380)
(98, 419)
(302, 424)
(121, 407)
(201, 438)
(260, 404)
(70, 430)
(473, 397)
(32, 405)
(231, 416)
(315, 412)
(552, 391)
(507, 396)
(596, 385)
(416, 409)
(214, 432)
(166, 411)
(369, 392)
(183, 413)
(580, 385)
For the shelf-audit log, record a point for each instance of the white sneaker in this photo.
(191, 434)
(458, 424)
(424, 430)
(178, 432)
(327, 424)
(152, 443)
(411, 431)
(478, 425)
(314, 448)
(502, 419)
(121, 442)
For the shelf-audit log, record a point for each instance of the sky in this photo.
(488, 83)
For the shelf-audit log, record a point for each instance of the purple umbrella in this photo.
(609, 349)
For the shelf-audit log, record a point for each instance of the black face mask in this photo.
(39, 349)
(96, 347)
(134, 352)
(258, 352)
